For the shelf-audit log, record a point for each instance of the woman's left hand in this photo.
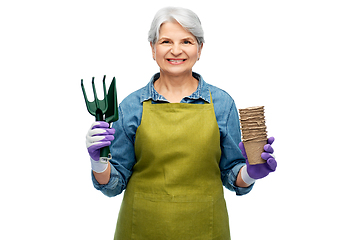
(261, 170)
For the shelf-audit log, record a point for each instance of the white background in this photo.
(300, 59)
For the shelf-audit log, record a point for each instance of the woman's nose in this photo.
(176, 49)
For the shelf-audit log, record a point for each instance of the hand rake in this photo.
(108, 107)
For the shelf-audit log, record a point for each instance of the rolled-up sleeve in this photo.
(115, 185)
(232, 159)
(230, 179)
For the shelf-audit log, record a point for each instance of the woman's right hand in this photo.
(98, 136)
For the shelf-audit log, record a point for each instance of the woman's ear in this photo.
(199, 51)
(153, 50)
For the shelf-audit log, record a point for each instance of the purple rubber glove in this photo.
(261, 170)
(98, 136)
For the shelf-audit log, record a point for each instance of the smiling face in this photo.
(176, 51)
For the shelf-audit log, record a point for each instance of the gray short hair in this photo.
(185, 17)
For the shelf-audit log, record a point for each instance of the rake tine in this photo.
(105, 100)
(96, 100)
(104, 103)
(88, 104)
(83, 90)
(104, 87)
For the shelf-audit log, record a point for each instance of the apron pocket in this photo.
(172, 217)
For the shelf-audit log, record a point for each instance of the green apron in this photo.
(175, 191)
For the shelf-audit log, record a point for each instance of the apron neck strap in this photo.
(211, 101)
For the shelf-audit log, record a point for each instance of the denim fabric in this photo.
(130, 113)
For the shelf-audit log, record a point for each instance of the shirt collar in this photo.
(202, 91)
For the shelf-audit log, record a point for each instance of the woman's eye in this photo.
(165, 42)
(187, 42)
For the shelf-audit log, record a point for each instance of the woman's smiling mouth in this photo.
(175, 61)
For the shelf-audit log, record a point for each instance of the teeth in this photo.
(175, 61)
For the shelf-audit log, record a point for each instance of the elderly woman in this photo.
(175, 144)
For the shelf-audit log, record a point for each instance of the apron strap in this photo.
(211, 101)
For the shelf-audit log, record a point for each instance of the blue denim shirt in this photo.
(130, 113)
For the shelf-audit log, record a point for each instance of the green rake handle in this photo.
(105, 151)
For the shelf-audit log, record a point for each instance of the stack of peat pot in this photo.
(253, 131)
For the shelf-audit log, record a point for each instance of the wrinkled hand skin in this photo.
(261, 170)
